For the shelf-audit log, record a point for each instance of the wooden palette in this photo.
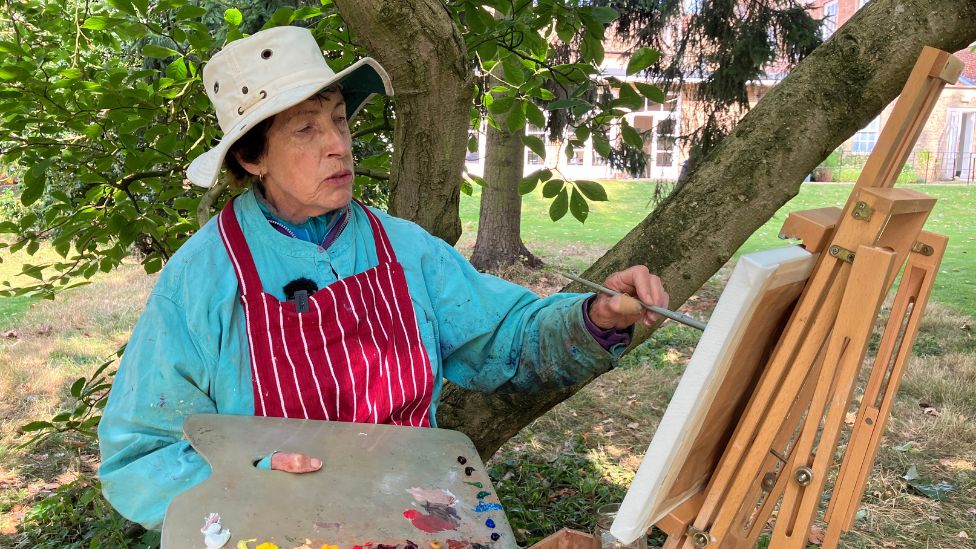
(715, 388)
(366, 493)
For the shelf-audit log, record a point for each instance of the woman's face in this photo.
(307, 166)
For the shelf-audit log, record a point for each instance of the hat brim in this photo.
(360, 81)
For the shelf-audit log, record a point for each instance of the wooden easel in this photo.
(783, 447)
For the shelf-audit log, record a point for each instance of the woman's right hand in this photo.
(294, 463)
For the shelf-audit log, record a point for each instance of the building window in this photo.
(532, 158)
(664, 157)
(865, 139)
(829, 19)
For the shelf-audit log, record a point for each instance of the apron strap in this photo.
(240, 254)
(384, 250)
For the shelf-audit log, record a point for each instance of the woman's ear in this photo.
(255, 168)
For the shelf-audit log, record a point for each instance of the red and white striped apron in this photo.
(355, 355)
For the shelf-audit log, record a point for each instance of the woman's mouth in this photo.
(342, 177)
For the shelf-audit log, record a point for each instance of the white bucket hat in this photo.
(261, 75)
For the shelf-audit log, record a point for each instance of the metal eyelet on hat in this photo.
(244, 90)
(241, 109)
(266, 54)
(216, 86)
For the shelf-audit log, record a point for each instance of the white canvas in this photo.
(753, 276)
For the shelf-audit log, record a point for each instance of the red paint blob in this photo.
(456, 544)
(427, 523)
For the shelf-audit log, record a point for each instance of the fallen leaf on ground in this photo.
(889, 544)
(911, 473)
(633, 425)
(931, 412)
(816, 535)
(850, 418)
(962, 534)
(11, 334)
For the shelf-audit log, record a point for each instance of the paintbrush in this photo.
(637, 304)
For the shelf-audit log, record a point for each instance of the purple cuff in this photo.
(606, 338)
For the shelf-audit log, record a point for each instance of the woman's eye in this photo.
(305, 129)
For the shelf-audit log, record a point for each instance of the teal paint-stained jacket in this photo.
(188, 353)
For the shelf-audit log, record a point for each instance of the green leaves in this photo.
(233, 17)
(559, 206)
(631, 136)
(158, 52)
(535, 144)
(641, 59)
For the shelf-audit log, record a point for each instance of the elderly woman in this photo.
(298, 301)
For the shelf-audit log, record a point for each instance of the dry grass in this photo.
(608, 424)
(55, 343)
(612, 420)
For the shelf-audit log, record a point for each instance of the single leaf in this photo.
(158, 52)
(578, 206)
(534, 114)
(552, 188)
(513, 70)
(630, 98)
(190, 11)
(602, 145)
(529, 183)
(632, 137)
(535, 144)
(911, 474)
(77, 386)
(233, 17)
(937, 491)
(515, 120)
(559, 206)
(592, 190)
(652, 93)
(35, 426)
(641, 59)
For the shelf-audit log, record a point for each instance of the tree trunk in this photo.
(417, 42)
(499, 239)
(835, 91)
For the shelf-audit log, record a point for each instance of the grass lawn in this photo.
(584, 452)
(577, 245)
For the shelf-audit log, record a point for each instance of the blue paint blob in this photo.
(490, 523)
(482, 507)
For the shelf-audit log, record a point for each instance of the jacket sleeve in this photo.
(163, 377)
(496, 336)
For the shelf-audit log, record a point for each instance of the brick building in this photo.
(946, 149)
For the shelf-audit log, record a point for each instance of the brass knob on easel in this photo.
(700, 538)
(803, 476)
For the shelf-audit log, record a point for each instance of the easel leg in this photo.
(886, 373)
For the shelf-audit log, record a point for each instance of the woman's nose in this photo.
(336, 139)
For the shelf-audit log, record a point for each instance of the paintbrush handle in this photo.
(673, 315)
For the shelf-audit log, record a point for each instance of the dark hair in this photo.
(250, 147)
